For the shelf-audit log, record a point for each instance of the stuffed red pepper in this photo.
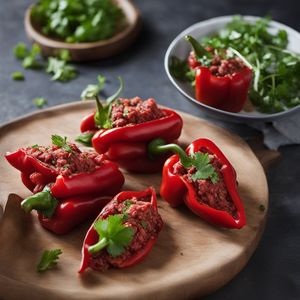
(124, 232)
(204, 180)
(123, 128)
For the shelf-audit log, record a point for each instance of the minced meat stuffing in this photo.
(62, 162)
(145, 221)
(211, 194)
(134, 111)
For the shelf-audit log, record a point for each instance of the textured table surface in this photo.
(274, 270)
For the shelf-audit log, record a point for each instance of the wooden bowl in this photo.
(92, 50)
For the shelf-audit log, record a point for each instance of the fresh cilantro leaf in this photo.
(20, 51)
(17, 76)
(204, 169)
(31, 60)
(93, 90)
(61, 142)
(48, 260)
(35, 146)
(60, 70)
(85, 138)
(114, 235)
(40, 102)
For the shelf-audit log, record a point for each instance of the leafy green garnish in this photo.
(92, 90)
(85, 138)
(35, 146)
(78, 21)
(144, 224)
(20, 51)
(48, 260)
(114, 235)
(31, 60)
(39, 102)
(204, 168)
(17, 76)
(127, 204)
(60, 70)
(61, 142)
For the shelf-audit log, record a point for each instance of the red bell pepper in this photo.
(176, 188)
(106, 179)
(93, 243)
(229, 92)
(62, 215)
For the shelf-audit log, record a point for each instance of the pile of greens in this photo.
(78, 21)
(276, 71)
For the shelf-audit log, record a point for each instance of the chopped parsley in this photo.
(48, 260)
(61, 142)
(18, 76)
(39, 102)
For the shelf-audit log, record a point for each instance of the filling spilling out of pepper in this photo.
(203, 179)
(123, 233)
(222, 79)
(122, 129)
(69, 186)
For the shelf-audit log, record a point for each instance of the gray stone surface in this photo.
(274, 271)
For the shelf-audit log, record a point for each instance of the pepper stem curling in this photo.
(43, 202)
(197, 47)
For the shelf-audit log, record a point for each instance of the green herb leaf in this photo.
(17, 76)
(48, 260)
(35, 146)
(31, 60)
(20, 51)
(114, 235)
(40, 102)
(204, 168)
(93, 90)
(85, 138)
(60, 70)
(61, 142)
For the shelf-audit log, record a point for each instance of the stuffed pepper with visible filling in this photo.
(203, 179)
(124, 232)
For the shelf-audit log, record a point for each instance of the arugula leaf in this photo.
(40, 102)
(61, 142)
(205, 170)
(17, 76)
(114, 235)
(85, 138)
(60, 70)
(48, 260)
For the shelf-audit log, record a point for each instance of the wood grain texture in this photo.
(90, 50)
(190, 258)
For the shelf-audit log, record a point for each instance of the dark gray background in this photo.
(274, 270)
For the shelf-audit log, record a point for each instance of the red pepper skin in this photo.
(176, 190)
(92, 236)
(71, 212)
(227, 93)
(130, 142)
(106, 179)
(88, 123)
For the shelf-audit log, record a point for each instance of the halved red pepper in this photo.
(62, 215)
(92, 237)
(176, 189)
(229, 92)
(127, 145)
(106, 179)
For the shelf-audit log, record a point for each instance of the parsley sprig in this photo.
(48, 260)
(113, 235)
(61, 142)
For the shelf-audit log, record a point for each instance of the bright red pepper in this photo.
(227, 93)
(106, 179)
(92, 237)
(62, 215)
(176, 189)
(127, 145)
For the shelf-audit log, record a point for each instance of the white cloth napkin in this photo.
(281, 132)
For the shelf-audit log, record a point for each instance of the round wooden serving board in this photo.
(191, 257)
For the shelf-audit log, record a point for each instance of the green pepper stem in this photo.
(99, 105)
(43, 202)
(158, 146)
(197, 47)
(98, 246)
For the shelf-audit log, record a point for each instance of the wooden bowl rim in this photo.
(49, 42)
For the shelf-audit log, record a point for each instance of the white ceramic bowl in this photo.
(181, 48)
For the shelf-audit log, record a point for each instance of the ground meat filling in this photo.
(62, 162)
(134, 111)
(145, 221)
(213, 195)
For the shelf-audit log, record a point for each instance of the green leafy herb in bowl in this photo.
(78, 21)
(275, 86)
